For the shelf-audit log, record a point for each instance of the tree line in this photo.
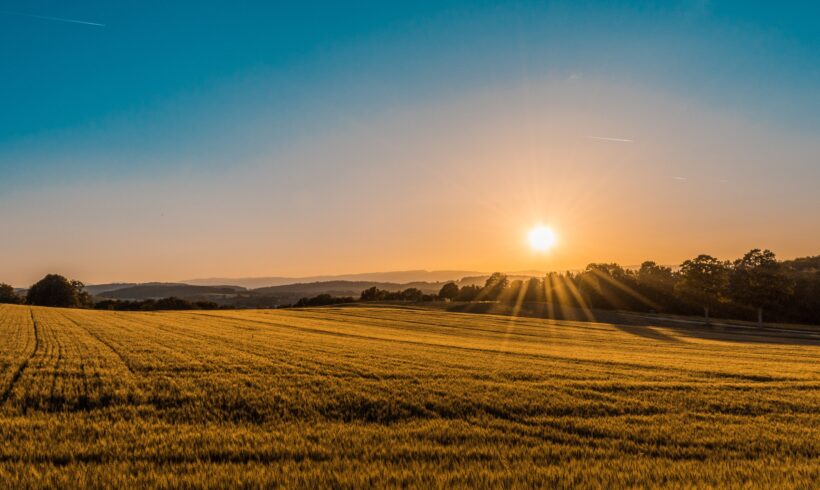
(745, 288)
(56, 290)
(748, 288)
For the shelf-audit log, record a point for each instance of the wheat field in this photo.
(389, 396)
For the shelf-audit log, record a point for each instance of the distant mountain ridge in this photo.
(350, 284)
(160, 290)
(345, 288)
(287, 290)
(98, 289)
(398, 277)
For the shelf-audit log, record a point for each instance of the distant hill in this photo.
(161, 290)
(260, 297)
(289, 292)
(98, 289)
(396, 277)
(344, 288)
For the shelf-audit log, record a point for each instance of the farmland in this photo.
(386, 396)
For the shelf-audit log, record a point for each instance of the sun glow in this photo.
(541, 238)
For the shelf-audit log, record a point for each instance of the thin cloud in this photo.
(607, 138)
(680, 178)
(58, 19)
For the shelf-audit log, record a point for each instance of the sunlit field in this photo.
(387, 396)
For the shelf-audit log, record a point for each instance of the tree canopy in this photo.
(449, 291)
(8, 294)
(56, 290)
(759, 280)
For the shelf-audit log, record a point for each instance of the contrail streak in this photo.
(606, 138)
(58, 19)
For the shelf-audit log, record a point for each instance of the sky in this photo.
(162, 141)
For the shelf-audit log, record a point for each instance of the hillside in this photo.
(163, 290)
(385, 396)
(261, 297)
(344, 288)
(289, 292)
(398, 277)
(98, 289)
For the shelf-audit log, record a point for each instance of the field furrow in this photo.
(23, 346)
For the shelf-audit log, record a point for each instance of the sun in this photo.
(541, 238)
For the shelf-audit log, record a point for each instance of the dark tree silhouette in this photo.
(760, 281)
(449, 291)
(703, 281)
(8, 295)
(56, 290)
(84, 300)
(323, 299)
(534, 290)
(372, 294)
(412, 294)
(656, 276)
(468, 293)
(657, 283)
(494, 286)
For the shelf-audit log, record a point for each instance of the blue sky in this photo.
(164, 91)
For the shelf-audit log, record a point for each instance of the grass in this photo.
(391, 396)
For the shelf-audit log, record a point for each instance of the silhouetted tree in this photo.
(494, 286)
(656, 275)
(702, 281)
(449, 291)
(323, 299)
(170, 303)
(84, 300)
(372, 294)
(657, 283)
(610, 286)
(8, 294)
(205, 305)
(534, 290)
(56, 290)
(805, 301)
(468, 293)
(554, 288)
(173, 303)
(412, 294)
(758, 280)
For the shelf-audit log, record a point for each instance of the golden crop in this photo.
(390, 396)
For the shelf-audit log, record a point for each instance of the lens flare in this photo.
(541, 238)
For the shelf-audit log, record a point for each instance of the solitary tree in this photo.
(449, 291)
(702, 281)
(8, 295)
(759, 280)
(56, 290)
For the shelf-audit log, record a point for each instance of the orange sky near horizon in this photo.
(451, 184)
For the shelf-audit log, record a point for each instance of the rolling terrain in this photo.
(388, 396)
